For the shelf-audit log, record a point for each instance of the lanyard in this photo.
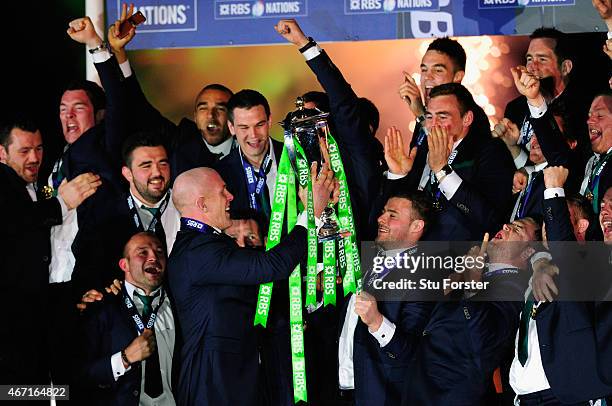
(432, 176)
(196, 225)
(255, 182)
(525, 197)
(593, 185)
(501, 271)
(131, 308)
(156, 217)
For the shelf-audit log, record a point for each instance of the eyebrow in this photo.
(435, 65)
(203, 103)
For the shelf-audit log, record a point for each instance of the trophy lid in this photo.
(301, 115)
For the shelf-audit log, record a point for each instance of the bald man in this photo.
(214, 284)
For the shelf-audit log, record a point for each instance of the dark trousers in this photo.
(544, 398)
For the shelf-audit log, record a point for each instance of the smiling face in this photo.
(251, 128)
(23, 154)
(512, 241)
(76, 114)
(148, 173)
(437, 68)
(605, 216)
(144, 262)
(600, 124)
(397, 224)
(211, 115)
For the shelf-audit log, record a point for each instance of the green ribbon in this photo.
(329, 273)
(274, 234)
(305, 180)
(352, 277)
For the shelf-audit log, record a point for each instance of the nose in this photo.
(382, 219)
(229, 196)
(33, 155)
(155, 171)
(506, 227)
(591, 119)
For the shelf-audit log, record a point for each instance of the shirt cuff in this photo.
(312, 52)
(392, 176)
(551, 193)
(449, 185)
(62, 205)
(540, 255)
(609, 34)
(537, 112)
(117, 366)
(521, 159)
(385, 332)
(302, 220)
(126, 69)
(101, 56)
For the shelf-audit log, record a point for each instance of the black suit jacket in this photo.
(25, 254)
(106, 329)
(215, 284)
(586, 327)
(482, 202)
(359, 149)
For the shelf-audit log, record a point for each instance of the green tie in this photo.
(153, 381)
(523, 343)
(152, 210)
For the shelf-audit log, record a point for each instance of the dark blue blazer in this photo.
(575, 336)
(106, 328)
(360, 150)
(482, 202)
(215, 284)
(25, 254)
(380, 372)
(461, 345)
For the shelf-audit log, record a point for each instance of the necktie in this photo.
(153, 382)
(523, 342)
(159, 228)
(58, 176)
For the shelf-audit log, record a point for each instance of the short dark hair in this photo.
(537, 227)
(463, 96)
(583, 207)
(369, 112)
(137, 140)
(93, 90)
(452, 49)
(215, 86)
(320, 99)
(246, 99)
(421, 204)
(21, 122)
(561, 49)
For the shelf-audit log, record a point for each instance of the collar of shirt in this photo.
(541, 166)
(456, 143)
(224, 148)
(139, 204)
(494, 266)
(394, 252)
(131, 288)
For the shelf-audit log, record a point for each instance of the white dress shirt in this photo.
(165, 336)
(170, 218)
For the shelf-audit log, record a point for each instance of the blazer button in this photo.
(135, 393)
(390, 355)
(45, 258)
(425, 333)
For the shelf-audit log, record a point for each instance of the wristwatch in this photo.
(311, 43)
(103, 46)
(446, 170)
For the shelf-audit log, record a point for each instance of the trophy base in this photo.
(336, 235)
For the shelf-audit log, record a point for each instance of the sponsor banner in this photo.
(206, 23)
(233, 9)
(489, 4)
(388, 6)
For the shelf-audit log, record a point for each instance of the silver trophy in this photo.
(310, 128)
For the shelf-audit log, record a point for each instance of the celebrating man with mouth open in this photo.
(214, 283)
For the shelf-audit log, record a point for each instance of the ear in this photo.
(417, 226)
(566, 67)
(468, 118)
(201, 204)
(458, 76)
(3, 155)
(123, 264)
(127, 173)
(230, 125)
(99, 115)
(583, 225)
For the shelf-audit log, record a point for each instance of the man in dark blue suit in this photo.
(129, 340)
(378, 338)
(467, 173)
(557, 357)
(215, 285)
(466, 339)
